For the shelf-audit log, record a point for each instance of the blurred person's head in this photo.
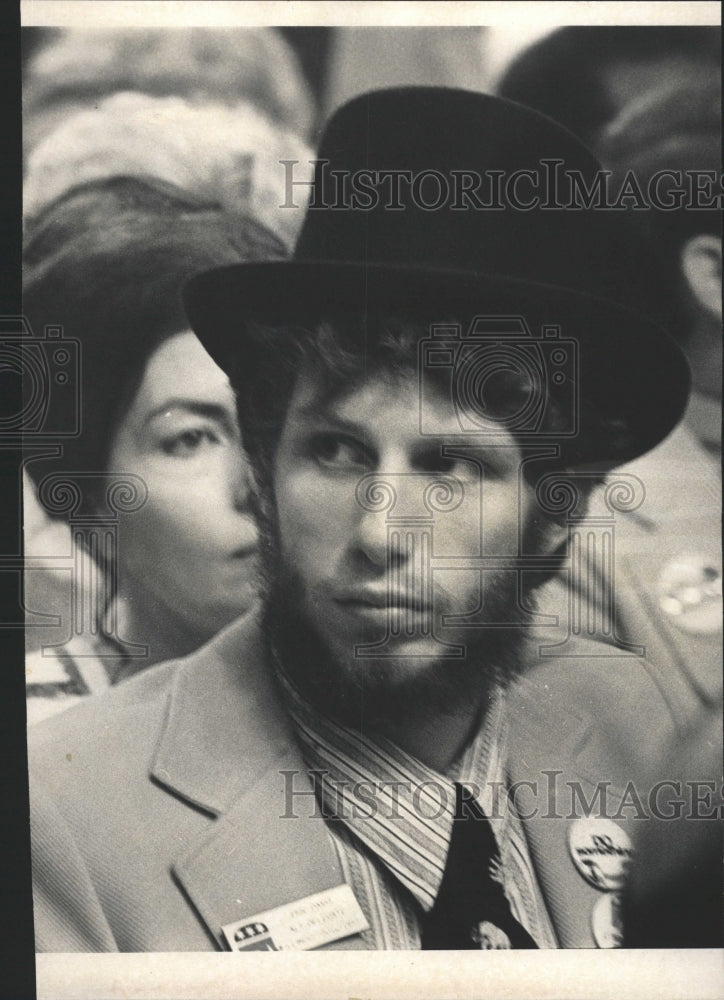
(75, 68)
(229, 155)
(107, 262)
(583, 76)
(674, 133)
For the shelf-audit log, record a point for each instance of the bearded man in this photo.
(384, 757)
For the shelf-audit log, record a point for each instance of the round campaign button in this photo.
(606, 922)
(690, 593)
(489, 937)
(601, 852)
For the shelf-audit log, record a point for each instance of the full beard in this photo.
(370, 694)
(376, 694)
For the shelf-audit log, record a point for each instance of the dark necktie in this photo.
(471, 910)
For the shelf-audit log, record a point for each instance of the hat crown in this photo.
(390, 232)
(453, 179)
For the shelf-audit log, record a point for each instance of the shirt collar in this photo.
(396, 805)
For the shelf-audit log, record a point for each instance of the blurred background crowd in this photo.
(150, 155)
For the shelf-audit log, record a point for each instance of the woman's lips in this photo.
(244, 551)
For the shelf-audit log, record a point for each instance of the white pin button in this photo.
(690, 593)
(490, 938)
(601, 851)
(606, 922)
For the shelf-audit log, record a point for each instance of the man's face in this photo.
(372, 552)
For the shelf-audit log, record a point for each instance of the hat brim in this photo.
(628, 368)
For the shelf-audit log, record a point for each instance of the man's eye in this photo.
(437, 464)
(190, 442)
(334, 452)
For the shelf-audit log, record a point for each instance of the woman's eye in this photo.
(334, 452)
(190, 442)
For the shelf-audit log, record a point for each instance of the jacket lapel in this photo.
(673, 525)
(228, 749)
(560, 750)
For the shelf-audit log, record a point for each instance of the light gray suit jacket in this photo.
(678, 521)
(157, 807)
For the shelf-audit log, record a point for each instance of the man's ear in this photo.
(701, 267)
(545, 536)
(555, 538)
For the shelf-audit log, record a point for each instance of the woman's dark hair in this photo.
(106, 262)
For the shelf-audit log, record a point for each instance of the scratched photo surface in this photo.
(371, 424)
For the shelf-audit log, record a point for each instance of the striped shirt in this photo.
(390, 818)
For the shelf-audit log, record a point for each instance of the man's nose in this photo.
(387, 505)
(375, 539)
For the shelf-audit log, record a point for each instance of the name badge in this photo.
(308, 923)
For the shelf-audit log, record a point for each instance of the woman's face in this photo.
(190, 551)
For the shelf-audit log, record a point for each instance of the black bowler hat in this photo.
(466, 238)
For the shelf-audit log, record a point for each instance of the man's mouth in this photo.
(383, 601)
